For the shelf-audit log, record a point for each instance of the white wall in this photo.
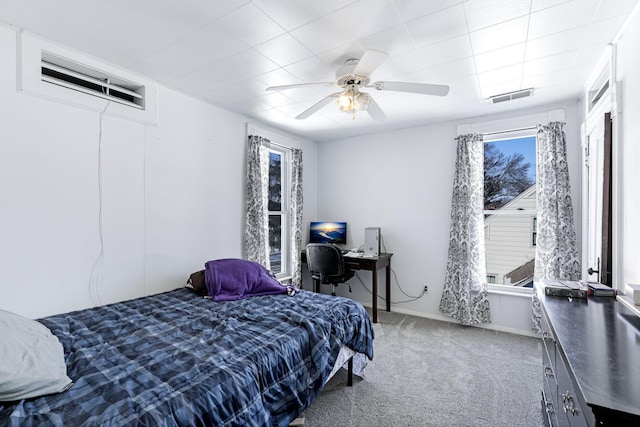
(172, 197)
(402, 182)
(627, 153)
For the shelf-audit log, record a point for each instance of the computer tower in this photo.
(372, 241)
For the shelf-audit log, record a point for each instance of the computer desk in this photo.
(373, 264)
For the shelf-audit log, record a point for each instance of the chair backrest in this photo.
(325, 260)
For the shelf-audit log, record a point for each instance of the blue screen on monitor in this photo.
(328, 232)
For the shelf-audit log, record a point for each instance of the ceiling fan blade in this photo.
(369, 62)
(422, 88)
(375, 111)
(298, 85)
(317, 106)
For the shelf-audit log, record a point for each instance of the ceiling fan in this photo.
(353, 76)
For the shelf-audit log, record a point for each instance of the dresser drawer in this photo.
(570, 406)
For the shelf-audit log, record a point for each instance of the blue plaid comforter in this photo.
(177, 359)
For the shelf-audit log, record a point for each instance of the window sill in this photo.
(509, 290)
(284, 278)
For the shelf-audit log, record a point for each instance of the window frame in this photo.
(284, 212)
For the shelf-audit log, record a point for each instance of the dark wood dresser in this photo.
(591, 362)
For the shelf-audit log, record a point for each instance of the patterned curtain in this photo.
(256, 234)
(465, 296)
(296, 216)
(556, 243)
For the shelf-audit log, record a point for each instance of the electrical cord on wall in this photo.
(411, 298)
(95, 278)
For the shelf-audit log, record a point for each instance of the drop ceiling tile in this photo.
(363, 19)
(439, 26)
(482, 13)
(248, 106)
(399, 65)
(548, 64)
(537, 5)
(139, 33)
(538, 81)
(564, 41)
(505, 74)
(414, 9)
(603, 31)
(447, 51)
(250, 24)
(588, 56)
(499, 87)
(499, 35)
(284, 50)
(420, 76)
(309, 95)
(312, 70)
(240, 91)
(245, 65)
(500, 57)
(391, 41)
(323, 34)
(335, 58)
(276, 99)
(291, 16)
(612, 8)
(211, 10)
(453, 70)
(465, 88)
(554, 20)
(206, 46)
(277, 77)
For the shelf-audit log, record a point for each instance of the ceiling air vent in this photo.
(511, 95)
(72, 75)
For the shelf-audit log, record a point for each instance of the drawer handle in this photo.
(549, 408)
(548, 372)
(569, 407)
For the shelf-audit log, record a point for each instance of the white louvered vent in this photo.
(511, 95)
(73, 75)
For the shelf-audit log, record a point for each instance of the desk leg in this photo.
(375, 295)
(389, 286)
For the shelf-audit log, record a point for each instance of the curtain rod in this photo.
(509, 130)
(280, 145)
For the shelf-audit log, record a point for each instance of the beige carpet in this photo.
(432, 373)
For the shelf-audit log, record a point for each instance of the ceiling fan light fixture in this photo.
(362, 101)
(346, 101)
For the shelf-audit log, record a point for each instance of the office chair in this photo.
(326, 265)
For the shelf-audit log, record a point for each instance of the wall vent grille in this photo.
(72, 75)
(511, 96)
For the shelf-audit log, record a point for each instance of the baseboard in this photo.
(448, 319)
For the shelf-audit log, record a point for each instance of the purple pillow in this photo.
(233, 279)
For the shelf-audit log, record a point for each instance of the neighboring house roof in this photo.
(522, 274)
(531, 191)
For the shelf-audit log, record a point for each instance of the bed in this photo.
(178, 359)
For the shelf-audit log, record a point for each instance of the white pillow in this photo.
(32, 359)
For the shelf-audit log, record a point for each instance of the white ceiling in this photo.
(227, 52)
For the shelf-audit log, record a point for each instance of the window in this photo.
(510, 209)
(278, 213)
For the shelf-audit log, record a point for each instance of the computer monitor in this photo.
(328, 232)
